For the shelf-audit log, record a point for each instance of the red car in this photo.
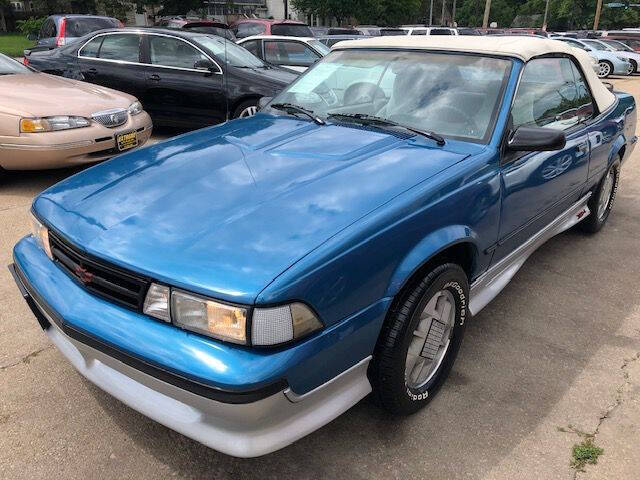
(247, 27)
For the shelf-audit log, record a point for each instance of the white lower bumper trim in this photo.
(245, 430)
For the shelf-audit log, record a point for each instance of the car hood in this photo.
(225, 210)
(42, 95)
(275, 76)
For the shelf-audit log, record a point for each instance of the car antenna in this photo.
(225, 79)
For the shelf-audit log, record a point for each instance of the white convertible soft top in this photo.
(522, 47)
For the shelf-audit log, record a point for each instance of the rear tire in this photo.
(602, 200)
(420, 340)
(634, 67)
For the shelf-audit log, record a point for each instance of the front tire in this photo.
(420, 340)
(604, 69)
(246, 109)
(602, 200)
(634, 67)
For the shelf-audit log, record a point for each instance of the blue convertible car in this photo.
(247, 283)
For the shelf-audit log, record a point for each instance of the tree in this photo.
(341, 10)
(3, 23)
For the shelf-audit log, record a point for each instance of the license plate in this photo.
(126, 141)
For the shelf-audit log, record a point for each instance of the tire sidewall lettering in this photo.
(459, 293)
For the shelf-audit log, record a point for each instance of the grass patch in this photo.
(585, 453)
(13, 44)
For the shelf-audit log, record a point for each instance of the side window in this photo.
(289, 53)
(248, 29)
(440, 31)
(48, 29)
(584, 102)
(419, 32)
(254, 47)
(91, 49)
(171, 52)
(124, 48)
(549, 95)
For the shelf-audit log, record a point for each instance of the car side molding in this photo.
(486, 287)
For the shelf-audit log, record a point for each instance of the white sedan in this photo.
(622, 50)
(293, 53)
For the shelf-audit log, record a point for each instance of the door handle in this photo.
(583, 148)
(92, 71)
(155, 77)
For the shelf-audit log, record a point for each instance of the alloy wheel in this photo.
(248, 112)
(604, 69)
(605, 193)
(431, 339)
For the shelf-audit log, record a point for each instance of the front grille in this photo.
(111, 118)
(99, 277)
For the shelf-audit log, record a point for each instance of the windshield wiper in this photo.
(366, 119)
(293, 109)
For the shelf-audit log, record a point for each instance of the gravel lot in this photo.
(556, 352)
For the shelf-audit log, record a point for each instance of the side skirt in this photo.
(491, 283)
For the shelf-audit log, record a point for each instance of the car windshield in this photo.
(78, 27)
(220, 31)
(235, 55)
(619, 46)
(320, 47)
(595, 45)
(449, 94)
(9, 66)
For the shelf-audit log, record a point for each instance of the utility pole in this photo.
(546, 12)
(286, 9)
(487, 8)
(431, 14)
(596, 19)
(442, 14)
(453, 14)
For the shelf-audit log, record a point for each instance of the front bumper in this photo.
(621, 67)
(67, 148)
(242, 402)
(242, 430)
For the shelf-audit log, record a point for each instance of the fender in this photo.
(616, 146)
(430, 246)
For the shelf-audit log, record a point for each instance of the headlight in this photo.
(52, 124)
(269, 326)
(215, 319)
(41, 235)
(135, 108)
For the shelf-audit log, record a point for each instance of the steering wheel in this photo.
(362, 92)
(327, 95)
(451, 114)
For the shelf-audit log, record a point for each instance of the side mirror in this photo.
(32, 37)
(263, 102)
(531, 139)
(609, 86)
(204, 65)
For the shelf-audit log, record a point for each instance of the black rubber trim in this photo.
(36, 303)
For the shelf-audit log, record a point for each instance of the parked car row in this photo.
(183, 78)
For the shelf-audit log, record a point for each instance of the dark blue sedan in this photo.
(247, 283)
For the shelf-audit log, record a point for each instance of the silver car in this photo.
(609, 63)
(622, 50)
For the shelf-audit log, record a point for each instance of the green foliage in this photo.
(585, 453)
(29, 26)
(13, 45)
